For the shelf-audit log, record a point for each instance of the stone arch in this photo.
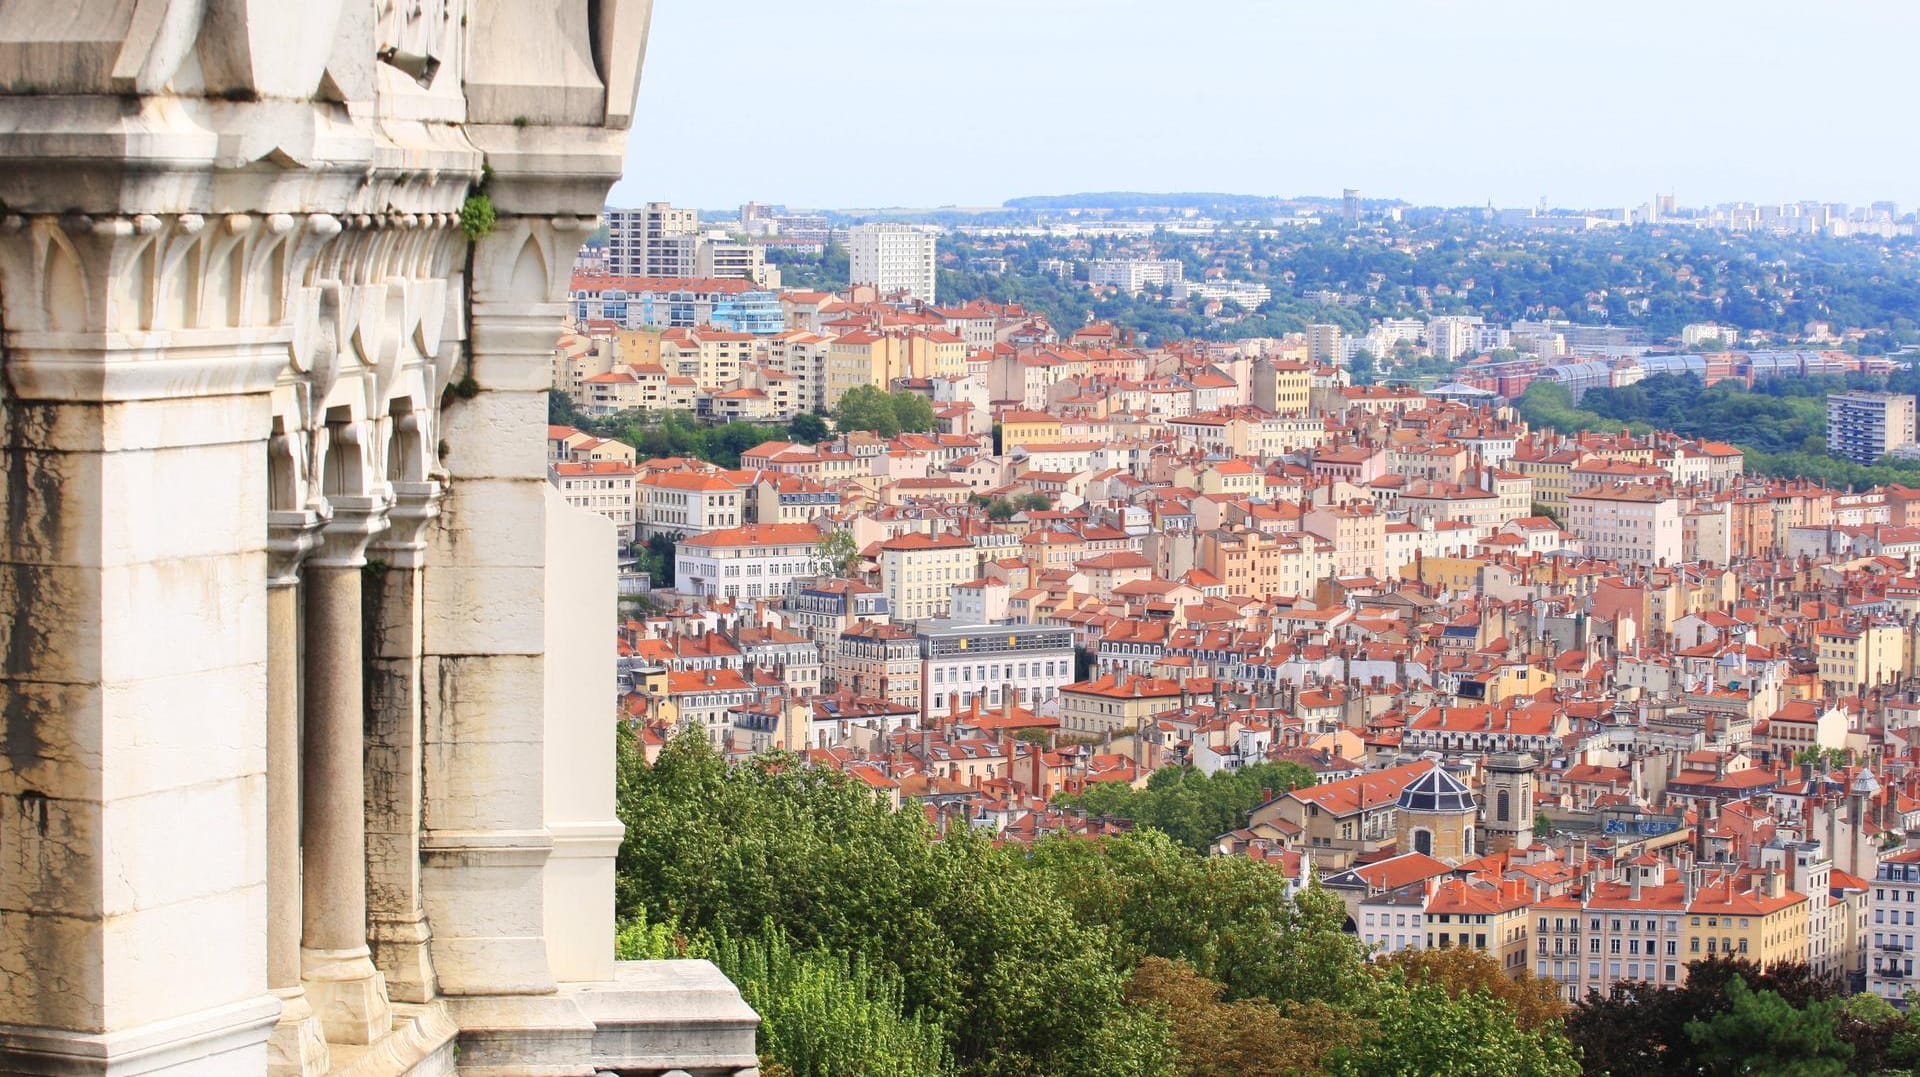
(1503, 806)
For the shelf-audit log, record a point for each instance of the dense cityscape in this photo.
(505, 572)
(1534, 584)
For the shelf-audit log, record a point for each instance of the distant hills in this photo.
(1142, 200)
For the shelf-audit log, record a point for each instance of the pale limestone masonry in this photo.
(305, 672)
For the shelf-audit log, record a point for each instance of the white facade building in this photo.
(687, 504)
(893, 258)
(1133, 274)
(1249, 294)
(656, 240)
(964, 664)
(1893, 906)
(754, 561)
(603, 487)
(1632, 524)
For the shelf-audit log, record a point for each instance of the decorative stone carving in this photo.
(234, 338)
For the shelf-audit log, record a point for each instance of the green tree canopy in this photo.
(838, 549)
(1002, 968)
(870, 408)
(1191, 807)
(1417, 1029)
(1763, 1035)
(808, 429)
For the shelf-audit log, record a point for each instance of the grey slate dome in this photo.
(1436, 792)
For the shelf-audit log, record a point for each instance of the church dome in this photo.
(1436, 792)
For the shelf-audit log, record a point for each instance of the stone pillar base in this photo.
(228, 1042)
(669, 1015)
(422, 1044)
(348, 995)
(523, 1036)
(403, 953)
(298, 1046)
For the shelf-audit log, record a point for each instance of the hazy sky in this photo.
(862, 103)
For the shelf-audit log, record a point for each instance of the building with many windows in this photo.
(750, 561)
(1623, 928)
(878, 661)
(675, 303)
(656, 240)
(1133, 274)
(1117, 702)
(966, 664)
(1765, 923)
(892, 258)
(1634, 524)
(1864, 426)
(1477, 914)
(679, 503)
(918, 571)
(1893, 905)
(605, 487)
(826, 608)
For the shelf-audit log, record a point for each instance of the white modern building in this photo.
(656, 240)
(685, 503)
(1892, 906)
(1250, 295)
(1864, 426)
(892, 258)
(1133, 274)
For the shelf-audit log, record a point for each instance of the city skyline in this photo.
(1529, 103)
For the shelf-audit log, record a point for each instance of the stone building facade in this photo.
(297, 772)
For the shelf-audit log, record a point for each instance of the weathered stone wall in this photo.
(271, 424)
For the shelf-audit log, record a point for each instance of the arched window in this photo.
(1504, 805)
(1423, 842)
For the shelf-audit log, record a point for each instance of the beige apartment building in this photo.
(1358, 532)
(1632, 524)
(1116, 703)
(918, 572)
(1254, 563)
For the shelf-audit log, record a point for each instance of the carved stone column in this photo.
(298, 1046)
(485, 631)
(487, 845)
(397, 925)
(347, 992)
(132, 718)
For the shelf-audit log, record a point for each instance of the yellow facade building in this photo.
(1860, 654)
(1765, 924)
(1483, 915)
(1115, 703)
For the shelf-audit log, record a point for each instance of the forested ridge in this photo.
(1780, 423)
